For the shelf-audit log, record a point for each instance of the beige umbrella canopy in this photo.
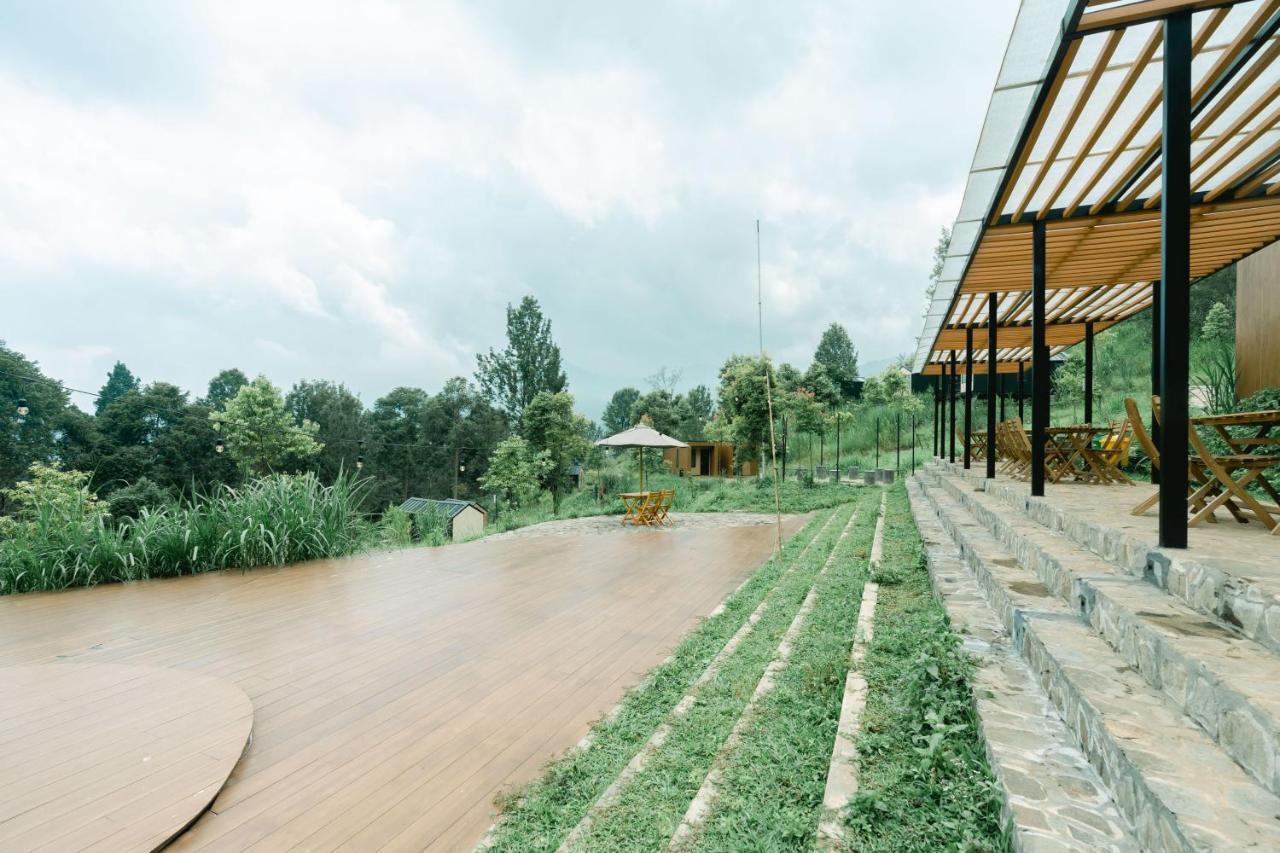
(640, 436)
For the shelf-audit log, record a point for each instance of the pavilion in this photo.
(1130, 149)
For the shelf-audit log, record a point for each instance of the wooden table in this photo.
(1258, 436)
(633, 502)
(1065, 445)
(1261, 422)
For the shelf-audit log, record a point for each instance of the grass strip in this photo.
(652, 805)
(771, 787)
(924, 781)
(539, 815)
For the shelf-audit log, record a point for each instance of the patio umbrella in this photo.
(640, 436)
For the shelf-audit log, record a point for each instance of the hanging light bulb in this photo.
(218, 446)
(23, 408)
(462, 469)
(359, 462)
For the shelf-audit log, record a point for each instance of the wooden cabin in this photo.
(706, 459)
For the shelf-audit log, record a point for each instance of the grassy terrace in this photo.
(925, 781)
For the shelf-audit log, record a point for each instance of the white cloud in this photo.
(358, 190)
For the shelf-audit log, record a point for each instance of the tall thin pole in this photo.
(768, 390)
(1039, 359)
(837, 445)
(1175, 278)
(913, 442)
(877, 443)
(897, 440)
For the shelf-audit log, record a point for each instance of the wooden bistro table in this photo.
(1067, 445)
(1256, 434)
(633, 502)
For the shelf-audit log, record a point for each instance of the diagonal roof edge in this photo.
(1040, 28)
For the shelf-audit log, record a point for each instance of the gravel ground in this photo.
(601, 524)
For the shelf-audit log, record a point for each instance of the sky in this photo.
(355, 191)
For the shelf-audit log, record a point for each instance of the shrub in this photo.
(59, 536)
(131, 500)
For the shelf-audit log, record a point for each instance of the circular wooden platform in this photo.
(108, 757)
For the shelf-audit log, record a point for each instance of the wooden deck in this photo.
(108, 757)
(395, 694)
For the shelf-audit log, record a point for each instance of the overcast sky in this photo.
(354, 191)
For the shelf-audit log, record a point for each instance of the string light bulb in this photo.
(23, 408)
(218, 446)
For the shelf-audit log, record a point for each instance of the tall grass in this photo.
(271, 521)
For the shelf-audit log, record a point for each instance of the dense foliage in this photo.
(60, 534)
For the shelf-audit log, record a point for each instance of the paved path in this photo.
(395, 694)
(599, 524)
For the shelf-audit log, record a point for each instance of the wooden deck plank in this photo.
(394, 693)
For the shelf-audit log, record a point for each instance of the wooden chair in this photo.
(666, 498)
(1115, 449)
(1015, 448)
(1200, 485)
(1233, 474)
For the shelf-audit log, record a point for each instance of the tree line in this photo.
(148, 442)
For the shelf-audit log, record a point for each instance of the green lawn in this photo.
(925, 784)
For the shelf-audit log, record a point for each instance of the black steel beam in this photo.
(1022, 391)
(991, 384)
(951, 392)
(1155, 369)
(968, 397)
(1039, 360)
(1088, 371)
(1175, 277)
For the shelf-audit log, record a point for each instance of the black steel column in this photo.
(991, 385)
(951, 392)
(1039, 360)
(1088, 371)
(1175, 276)
(1155, 369)
(937, 417)
(1022, 392)
(968, 394)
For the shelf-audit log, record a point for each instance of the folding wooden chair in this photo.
(1114, 451)
(1233, 473)
(666, 498)
(1200, 485)
(648, 511)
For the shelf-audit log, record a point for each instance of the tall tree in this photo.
(836, 353)
(529, 365)
(339, 418)
(817, 381)
(556, 434)
(744, 405)
(259, 431)
(701, 404)
(617, 415)
(119, 382)
(224, 386)
(397, 446)
(465, 430)
(35, 436)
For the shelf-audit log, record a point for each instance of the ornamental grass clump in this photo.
(61, 535)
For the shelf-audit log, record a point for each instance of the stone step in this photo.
(1053, 798)
(1168, 777)
(1210, 588)
(1227, 683)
